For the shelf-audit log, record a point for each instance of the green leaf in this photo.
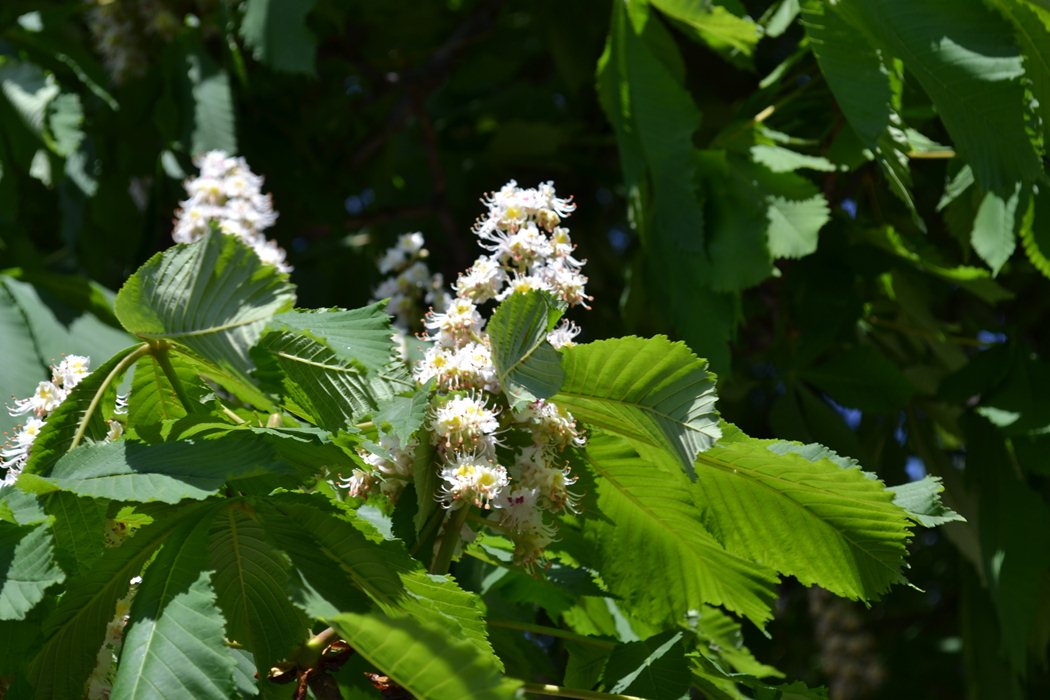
(79, 528)
(402, 416)
(424, 658)
(994, 226)
(650, 668)
(1031, 24)
(153, 398)
(23, 367)
(276, 32)
(920, 500)
(74, 631)
(250, 580)
(651, 391)
(866, 89)
(213, 297)
(528, 367)
(167, 472)
(80, 415)
(207, 88)
(651, 527)
(809, 518)
(320, 386)
(362, 336)
(964, 57)
(713, 25)
(174, 642)
(27, 568)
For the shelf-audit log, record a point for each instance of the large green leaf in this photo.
(251, 579)
(424, 658)
(362, 336)
(167, 472)
(641, 89)
(214, 297)
(654, 551)
(528, 367)
(651, 391)
(319, 385)
(153, 398)
(74, 631)
(174, 643)
(79, 528)
(27, 567)
(651, 668)
(212, 124)
(1031, 23)
(809, 518)
(22, 368)
(276, 32)
(964, 57)
(994, 226)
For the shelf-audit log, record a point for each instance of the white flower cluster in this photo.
(410, 283)
(512, 463)
(121, 32)
(229, 194)
(46, 398)
(389, 468)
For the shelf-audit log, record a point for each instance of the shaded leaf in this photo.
(528, 367)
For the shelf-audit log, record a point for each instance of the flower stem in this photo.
(449, 539)
(559, 691)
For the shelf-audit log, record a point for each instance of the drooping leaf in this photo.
(651, 391)
(27, 567)
(213, 297)
(276, 32)
(74, 631)
(994, 227)
(964, 57)
(174, 641)
(424, 658)
(250, 581)
(527, 365)
(809, 518)
(166, 473)
(865, 88)
(651, 523)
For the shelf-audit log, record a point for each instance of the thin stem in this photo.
(161, 355)
(449, 539)
(552, 632)
(118, 370)
(559, 691)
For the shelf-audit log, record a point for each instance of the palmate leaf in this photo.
(166, 472)
(74, 631)
(27, 567)
(153, 399)
(424, 658)
(654, 551)
(528, 366)
(809, 518)
(653, 392)
(251, 580)
(321, 544)
(174, 641)
(214, 297)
